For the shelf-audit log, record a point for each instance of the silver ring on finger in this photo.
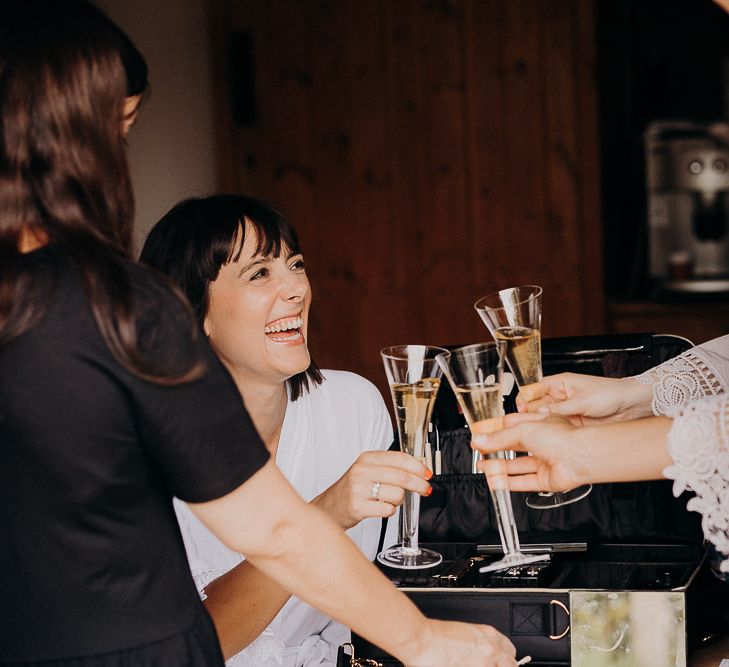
(375, 491)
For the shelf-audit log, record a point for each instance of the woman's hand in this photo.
(557, 462)
(565, 455)
(373, 486)
(451, 644)
(587, 399)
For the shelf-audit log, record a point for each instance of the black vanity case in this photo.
(590, 605)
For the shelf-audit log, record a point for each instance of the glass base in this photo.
(514, 560)
(414, 559)
(547, 501)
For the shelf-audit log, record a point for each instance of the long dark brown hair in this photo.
(65, 71)
(198, 236)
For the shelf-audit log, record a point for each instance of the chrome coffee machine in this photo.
(687, 167)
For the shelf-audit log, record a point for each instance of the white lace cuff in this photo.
(698, 443)
(679, 381)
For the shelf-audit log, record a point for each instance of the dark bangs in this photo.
(273, 232)
(198, 236)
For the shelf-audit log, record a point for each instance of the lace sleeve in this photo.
(678, 381)
(699, 446)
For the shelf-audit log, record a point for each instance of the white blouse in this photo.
(323, 433)
(692, 388)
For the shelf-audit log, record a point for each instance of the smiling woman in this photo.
(239, 263)
(258, 312)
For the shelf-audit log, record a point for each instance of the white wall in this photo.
(171, 152)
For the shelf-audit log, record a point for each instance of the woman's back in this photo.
(89, 461)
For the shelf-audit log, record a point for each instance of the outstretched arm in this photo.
(306, 553)
(699, 372)
(244, 601)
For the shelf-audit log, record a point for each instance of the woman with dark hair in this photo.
(240, 265)
(110, 404)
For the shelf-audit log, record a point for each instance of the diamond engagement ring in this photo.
(375, 491)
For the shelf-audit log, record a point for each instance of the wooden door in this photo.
(428, 152)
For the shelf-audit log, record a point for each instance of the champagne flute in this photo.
(475, 375)
(514, 315)
(414, 378)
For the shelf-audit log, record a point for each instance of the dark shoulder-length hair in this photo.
(198, 236)
(65, 72)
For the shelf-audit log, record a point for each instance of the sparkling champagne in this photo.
(480, 402)
(523, 352)
(413, 408)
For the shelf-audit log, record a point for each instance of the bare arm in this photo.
(306, 553)
(628, 452)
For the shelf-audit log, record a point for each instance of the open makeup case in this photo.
(628, 581)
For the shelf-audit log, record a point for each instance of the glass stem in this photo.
(409, 523)
(475, 458)
(505, 521)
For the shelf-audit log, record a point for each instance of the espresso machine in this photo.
(687, 173)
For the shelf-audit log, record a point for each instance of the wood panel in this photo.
(697, 322)
(428, 152)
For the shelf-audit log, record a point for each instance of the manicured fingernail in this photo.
(429, 492)
(428, 474)
(544, 410)
(480, 439)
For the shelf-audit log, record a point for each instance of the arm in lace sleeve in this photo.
(699, 372)
(698, 443)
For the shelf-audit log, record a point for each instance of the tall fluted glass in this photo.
(514, 315)
(414, 378)
(475, 375)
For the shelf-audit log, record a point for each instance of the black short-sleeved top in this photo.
(91, 558)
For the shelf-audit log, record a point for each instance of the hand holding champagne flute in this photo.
(414, 378)
(514, 315)
(475, 374)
